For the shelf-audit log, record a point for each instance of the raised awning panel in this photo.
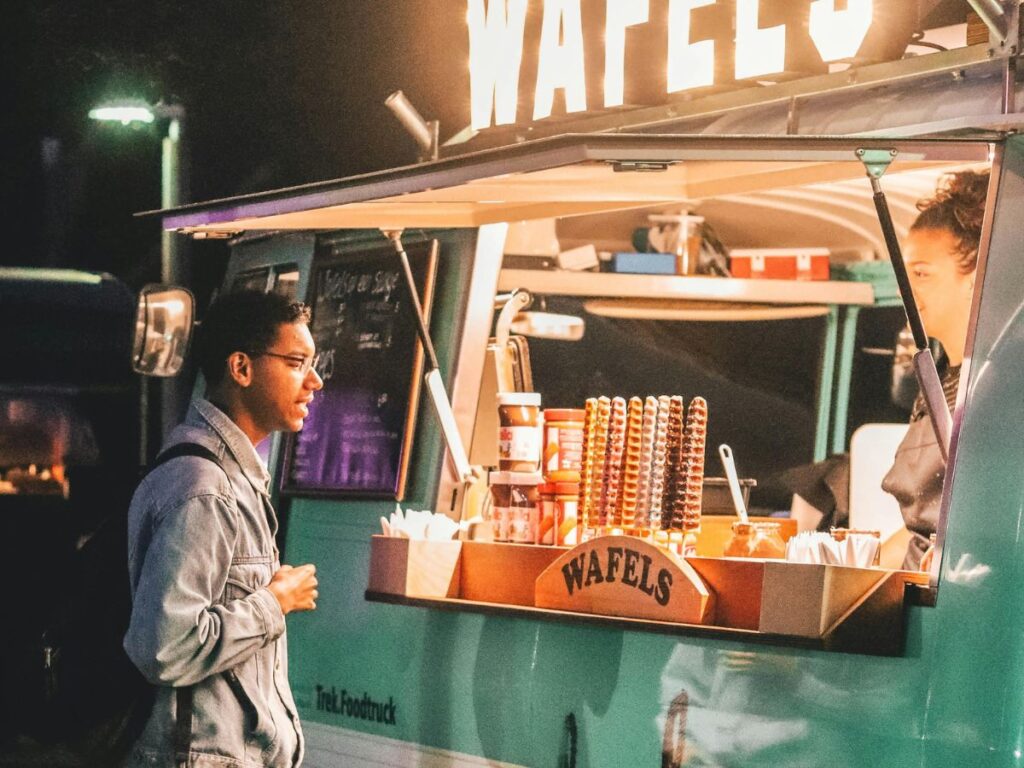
(559, 177)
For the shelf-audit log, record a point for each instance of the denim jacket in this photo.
(201, 552)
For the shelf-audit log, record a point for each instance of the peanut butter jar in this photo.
(563, 444)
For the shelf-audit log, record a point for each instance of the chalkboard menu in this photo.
(357, 437)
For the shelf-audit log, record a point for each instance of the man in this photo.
(209, 596)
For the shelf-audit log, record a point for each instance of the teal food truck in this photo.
(908, 670)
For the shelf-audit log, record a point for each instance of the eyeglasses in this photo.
(298, 362)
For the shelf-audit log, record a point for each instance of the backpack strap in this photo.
(186, 449)
(183, 695)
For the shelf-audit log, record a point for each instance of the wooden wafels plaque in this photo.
(625, 576)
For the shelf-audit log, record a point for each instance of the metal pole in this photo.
(395, 236)
(924, 363)
(435, 384)
(170, 197)
(174, 392)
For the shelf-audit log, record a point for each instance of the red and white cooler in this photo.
(780, 263)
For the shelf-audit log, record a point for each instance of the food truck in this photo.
(623, 645)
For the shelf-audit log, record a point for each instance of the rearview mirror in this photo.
(163, 330)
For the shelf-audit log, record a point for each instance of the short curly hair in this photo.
(244, 321)
(958, 207)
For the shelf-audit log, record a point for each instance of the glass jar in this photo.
(567, 497)
(519, 519)
(739, 543)
(519, 433)
(563, 444)
(766, 541)
(546, 494)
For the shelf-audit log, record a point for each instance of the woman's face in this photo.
(942, 291)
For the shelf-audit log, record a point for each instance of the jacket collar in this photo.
(204, 413)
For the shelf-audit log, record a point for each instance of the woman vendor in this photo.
(941, 255)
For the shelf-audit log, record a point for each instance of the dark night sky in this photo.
(276, 93)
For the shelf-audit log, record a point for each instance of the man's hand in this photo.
(295, 588)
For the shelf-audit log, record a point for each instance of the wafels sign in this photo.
(595, 54)
(624, 576)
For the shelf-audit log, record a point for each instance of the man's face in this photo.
(279, 395)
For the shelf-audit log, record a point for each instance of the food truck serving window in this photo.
(789, 364)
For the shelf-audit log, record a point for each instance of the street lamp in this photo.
(174, 392)
(135, 111)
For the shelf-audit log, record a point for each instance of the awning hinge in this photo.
(877, 161)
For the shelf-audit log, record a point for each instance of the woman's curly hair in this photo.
(958, 206)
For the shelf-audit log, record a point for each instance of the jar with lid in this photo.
(738, 544)
(546, 495)
(567, 498)
(519, 433)
(500, 492)
(519, 520)
(766, 541)
(563, 444)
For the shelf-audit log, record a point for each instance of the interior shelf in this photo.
(723, 289)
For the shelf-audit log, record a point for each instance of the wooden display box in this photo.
(832, 607)
(795, 599)
(414, 568)
(503, 573)
(480, 571)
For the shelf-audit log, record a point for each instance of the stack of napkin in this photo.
(857, 549)
(413, 524)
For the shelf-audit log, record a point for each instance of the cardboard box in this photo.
(780, 263)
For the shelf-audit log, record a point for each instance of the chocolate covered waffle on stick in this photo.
(643, 467)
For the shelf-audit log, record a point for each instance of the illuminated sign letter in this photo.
(621, 14)
(758, 51)
(561, 61)
(690, 65)
(839, 34)
(495, 55)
